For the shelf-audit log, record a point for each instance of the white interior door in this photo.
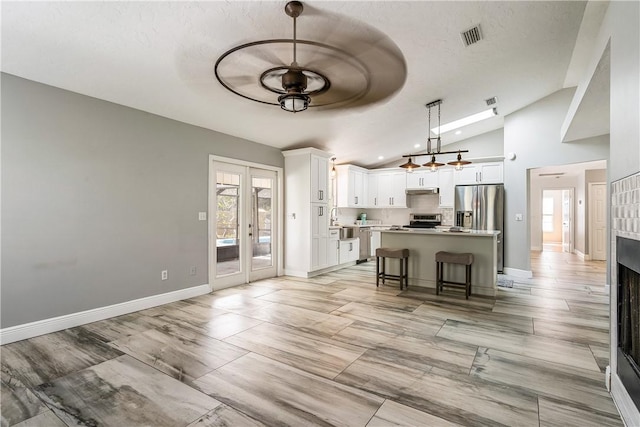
(243, 215)
(598, 221)
(567, 220)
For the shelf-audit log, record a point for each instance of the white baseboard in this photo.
(46, 326)
(525, 274)
(625, 405)
(584, 257)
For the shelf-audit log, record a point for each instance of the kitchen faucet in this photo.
(332, 218)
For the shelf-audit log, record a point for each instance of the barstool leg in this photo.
(384, 273)
(406, 273)
(377, 271)
(468, 277)
(438, 275)
(401, 273)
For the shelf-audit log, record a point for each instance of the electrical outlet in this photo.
(164, 275)
(202, 216)
(518, 217)
(193, 270)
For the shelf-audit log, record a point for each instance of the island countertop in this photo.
(431, 231)
(423, 244)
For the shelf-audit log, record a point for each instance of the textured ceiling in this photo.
(159, 57)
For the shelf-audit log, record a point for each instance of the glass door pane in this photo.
(261, 230)
(228, 211)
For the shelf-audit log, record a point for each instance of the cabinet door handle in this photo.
(480, 175)
(320, 195)
(320, 210)
(350, 247)
(356, 200)
(375, 201)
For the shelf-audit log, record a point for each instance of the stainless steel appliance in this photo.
(481, 207)
(424, 220)
(364, 233)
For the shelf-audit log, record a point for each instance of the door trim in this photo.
(212, 198)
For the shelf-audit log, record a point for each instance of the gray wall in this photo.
(489, 144)
(98, 198)
(533, 133)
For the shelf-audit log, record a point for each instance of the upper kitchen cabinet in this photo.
(372, 190)
(422, 179)
(352, 186)
(319, 179)
(391, 186)
(446, 186)
(480, 173)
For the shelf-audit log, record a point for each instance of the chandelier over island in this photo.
(433, 164)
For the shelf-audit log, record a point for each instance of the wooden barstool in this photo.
(465, 259)
(402, 255)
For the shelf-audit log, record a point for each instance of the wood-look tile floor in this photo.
(331, 350)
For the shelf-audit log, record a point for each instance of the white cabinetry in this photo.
(375, 242)
(480, 173)
(333, 256)
(372, 190)
(349, 250)
(319, 179)
(422, 179)
(446, 187)
(391, 189)
(352, 186)
(319, 236)
(306, 247)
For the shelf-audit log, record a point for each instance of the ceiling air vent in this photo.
(491, 101)
(471, 36)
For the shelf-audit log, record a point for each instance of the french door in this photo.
(243, 220)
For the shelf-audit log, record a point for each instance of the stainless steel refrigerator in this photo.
(481, 207)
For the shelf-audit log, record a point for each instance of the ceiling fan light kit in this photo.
(433, 164)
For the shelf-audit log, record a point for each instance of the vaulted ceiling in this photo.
(159, 57)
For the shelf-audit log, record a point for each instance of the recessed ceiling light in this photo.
(380, 157)
(466, 121)
(416, 146)
(458, 132)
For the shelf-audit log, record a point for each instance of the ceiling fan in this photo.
(295, 74)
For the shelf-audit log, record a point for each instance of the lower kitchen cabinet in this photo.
(375, 242)
(333, 255)
(349, 250)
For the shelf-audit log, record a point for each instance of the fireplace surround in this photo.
(625, 228)
(628, 319)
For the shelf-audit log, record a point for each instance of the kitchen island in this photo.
(423, 245)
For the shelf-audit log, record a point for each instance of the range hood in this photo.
(417, 191)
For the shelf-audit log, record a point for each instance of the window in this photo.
(547, 214)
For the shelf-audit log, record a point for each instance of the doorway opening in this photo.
(557, 220)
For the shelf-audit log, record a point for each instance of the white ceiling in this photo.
(159, 57)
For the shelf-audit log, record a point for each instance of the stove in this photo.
(424, 220)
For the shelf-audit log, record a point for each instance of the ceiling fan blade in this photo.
(238, 81)
(267, 57)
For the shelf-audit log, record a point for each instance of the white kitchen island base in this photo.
(423, 245)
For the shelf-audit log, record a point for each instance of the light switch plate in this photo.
(202, 216)
(518, 217)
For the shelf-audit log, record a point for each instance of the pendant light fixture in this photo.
(433, 165)
(333, 167)
(410, 166)
(459, 162)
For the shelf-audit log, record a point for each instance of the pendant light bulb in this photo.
(333, 167)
